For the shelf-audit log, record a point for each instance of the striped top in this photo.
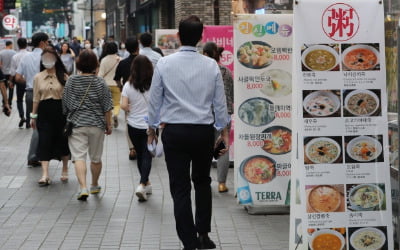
(97, 102)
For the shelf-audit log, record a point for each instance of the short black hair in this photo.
(146, 39)
(190, 30)
(132, 44)
(8, 43)
(22, 43)
(111, 48)
(87, 61)
(39, 37)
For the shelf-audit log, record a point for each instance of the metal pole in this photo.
(91, 21)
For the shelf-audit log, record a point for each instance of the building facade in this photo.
(131, 17)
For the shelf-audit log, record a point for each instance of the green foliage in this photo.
(33, 10)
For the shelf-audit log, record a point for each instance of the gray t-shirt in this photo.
(5, 60)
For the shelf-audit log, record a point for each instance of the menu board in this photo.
(167, 40)
(341, 127)
(262, 97)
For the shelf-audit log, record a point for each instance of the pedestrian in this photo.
(123, 73)
(211, 49)
(47, 114)
(26, 71)
(5, 64)
(108, 65)
(135, 95)
(123, 52)
(87, 103)
(15, 61)
(186, 90)
(3, 89)
(75, 45)
(67, 56)
(146, 39)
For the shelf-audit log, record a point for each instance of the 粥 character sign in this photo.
(10, 22)
(340, 22)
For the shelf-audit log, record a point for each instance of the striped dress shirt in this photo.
(187, 88)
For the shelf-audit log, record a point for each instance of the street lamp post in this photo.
(91, 21)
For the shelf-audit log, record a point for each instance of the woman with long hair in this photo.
(67, 56)
(109, 61)
(47, 115)
(88, 105)
(211, 49)
(135, 96)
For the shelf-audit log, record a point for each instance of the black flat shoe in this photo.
(205, 242)
(21, 122)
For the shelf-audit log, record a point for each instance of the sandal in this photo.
(64, 176)
(44, 181)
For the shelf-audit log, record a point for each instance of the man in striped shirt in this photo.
(187, 95)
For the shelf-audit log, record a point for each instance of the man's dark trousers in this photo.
(185, 145)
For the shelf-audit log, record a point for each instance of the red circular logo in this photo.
(340, 22)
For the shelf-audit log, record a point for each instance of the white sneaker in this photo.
(149, 189)
(141, 193)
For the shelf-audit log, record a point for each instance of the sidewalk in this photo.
(33, 217)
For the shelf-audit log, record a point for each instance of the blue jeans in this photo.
(144, 158)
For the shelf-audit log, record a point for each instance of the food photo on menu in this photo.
(323, 150)
(363, 148)
(325, 198)
(366, 197)
(256, 112)
(360, 57)
(255, 55)
(368, 238)
(327, 238)
(258, 169)
(362, 102)
(279, 83)
(321, 103)
(320, 57)
(280, 141)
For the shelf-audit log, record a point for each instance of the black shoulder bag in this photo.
(67, 131)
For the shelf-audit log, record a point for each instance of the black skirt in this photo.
(50, 124)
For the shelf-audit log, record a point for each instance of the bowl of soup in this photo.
(320, 58)
(258, 169)
(366, 197)
(361, 102)
(364, 148)
(327, 239)
(360, 57)
(322, 150)
(367, 238)
(321, 103)
(324, 199)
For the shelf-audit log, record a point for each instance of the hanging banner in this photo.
(341, 126)
(222, 35)
(262, 92)
(167, 40)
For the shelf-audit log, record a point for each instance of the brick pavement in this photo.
(50, 217)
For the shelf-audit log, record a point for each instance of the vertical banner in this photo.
(263, 88)
(167, 40)
(341, 126)
(222, 35)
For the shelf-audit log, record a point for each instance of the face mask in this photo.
(87, 46)
(49, 64)
(122, 46)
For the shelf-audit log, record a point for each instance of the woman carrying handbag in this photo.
(88, 98)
